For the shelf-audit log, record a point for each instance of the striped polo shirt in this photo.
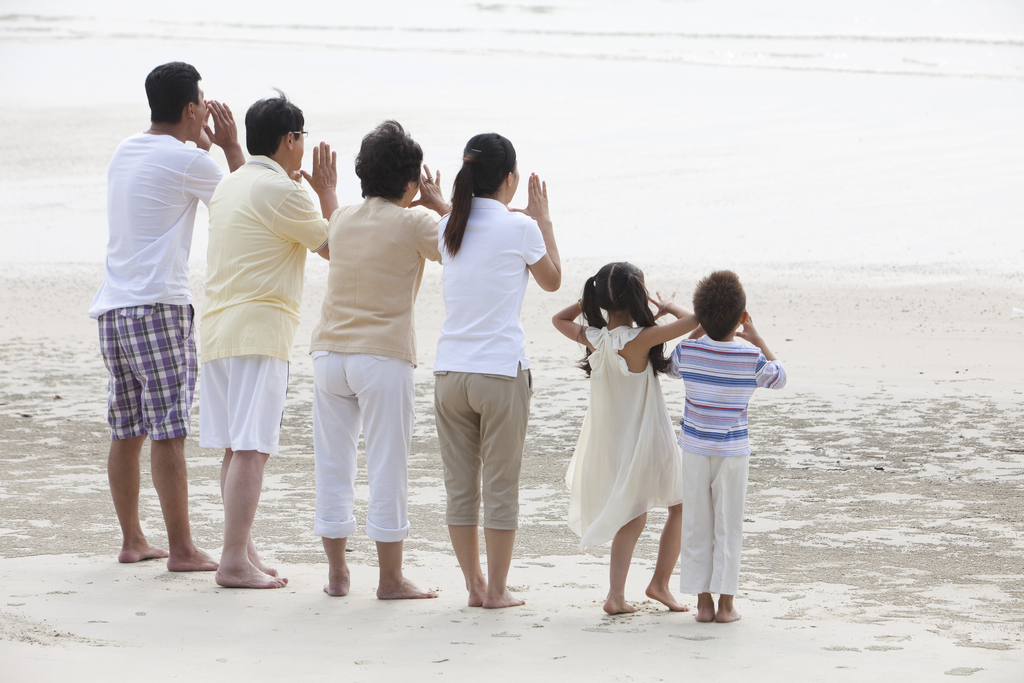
(720, 378)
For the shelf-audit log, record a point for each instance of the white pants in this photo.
(353, 390)
(242, 402)
(714, 491)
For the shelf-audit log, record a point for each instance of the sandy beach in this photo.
(865, 188)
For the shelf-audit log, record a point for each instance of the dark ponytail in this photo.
(486, 163)
(617, 287)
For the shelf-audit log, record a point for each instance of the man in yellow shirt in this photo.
(261, 225)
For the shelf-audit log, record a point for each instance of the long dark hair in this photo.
(619, 287)
(486, 162)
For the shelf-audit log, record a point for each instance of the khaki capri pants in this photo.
(481, 427)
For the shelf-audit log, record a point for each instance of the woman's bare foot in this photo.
(705, 608)
(254, 557)
(248, 576)
(618, 606)
(403, 590)
(505, 600)
(663, 595)
(338, 582)
(477, 592)
(140, 552)
(195, 561)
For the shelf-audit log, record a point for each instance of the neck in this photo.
(283, 161)
(175, 130)
(619, 319)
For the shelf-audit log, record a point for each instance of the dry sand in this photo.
(883, 532)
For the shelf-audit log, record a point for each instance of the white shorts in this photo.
(241, 403)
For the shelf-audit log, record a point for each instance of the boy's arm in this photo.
(675, 365)
(565, 322)
(770, 373)
(750, 334)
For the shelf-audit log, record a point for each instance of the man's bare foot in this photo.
(618, 606)
(663, 595)
(403, 590)
(477, 593)
(726, 616)
(139, 553)
(506, 600)
(338, 582)
(195, 561)
(248, 577)
(705, 608)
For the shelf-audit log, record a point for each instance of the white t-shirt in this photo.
(154, 185)
(484, 286)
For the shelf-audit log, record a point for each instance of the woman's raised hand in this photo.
(431, 195)
(537, 204)
(325, 169)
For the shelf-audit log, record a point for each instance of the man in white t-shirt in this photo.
(144, 306)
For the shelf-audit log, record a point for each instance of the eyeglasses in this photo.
(300, 133)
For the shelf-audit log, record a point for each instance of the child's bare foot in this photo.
(726, 612)
(705, 608)
(403, 590)
(663, 595)
(338, 582)
(194, 561)
(248, 577)
(477, 592)
(140, 552)
(505, 600)
(618, 606)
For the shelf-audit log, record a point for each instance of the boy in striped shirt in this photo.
(721, 374)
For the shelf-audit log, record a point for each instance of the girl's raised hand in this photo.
(662, 303)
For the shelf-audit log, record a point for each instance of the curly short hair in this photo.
(719, 302)
(388, 161)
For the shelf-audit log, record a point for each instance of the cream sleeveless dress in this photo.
(626, 460)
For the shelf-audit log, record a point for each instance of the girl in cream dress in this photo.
(626, 461)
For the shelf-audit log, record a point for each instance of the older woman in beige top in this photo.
(364, 352)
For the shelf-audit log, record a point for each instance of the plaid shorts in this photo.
(150, 352)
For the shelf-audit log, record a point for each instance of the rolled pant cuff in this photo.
(326, 529)
(386, 535)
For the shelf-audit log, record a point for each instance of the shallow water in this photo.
(775, 133)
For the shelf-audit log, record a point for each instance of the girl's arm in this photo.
(659, 334)
(565, 322)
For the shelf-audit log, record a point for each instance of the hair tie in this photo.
(469, 158)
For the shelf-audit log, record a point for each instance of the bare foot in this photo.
(248, 577)
(256, 562)
(705, 608)
(338, 582)
(506, 600)
(146, 551)
(195, 561)
(404, 590)
(477, 593)
(618, 606)
(663, 595)
(726, 616)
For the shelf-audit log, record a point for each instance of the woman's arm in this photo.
(565, 322)
(548, 270)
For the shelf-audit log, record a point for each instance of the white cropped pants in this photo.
(353, 391)
(714, 491)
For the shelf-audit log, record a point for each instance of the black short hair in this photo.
(388, 161)
(169, 87)
(269, 120)
(719, 302)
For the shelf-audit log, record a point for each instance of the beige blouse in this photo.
(377, 255)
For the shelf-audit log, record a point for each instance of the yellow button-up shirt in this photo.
(261, 225)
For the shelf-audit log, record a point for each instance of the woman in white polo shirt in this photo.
(482, 383)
